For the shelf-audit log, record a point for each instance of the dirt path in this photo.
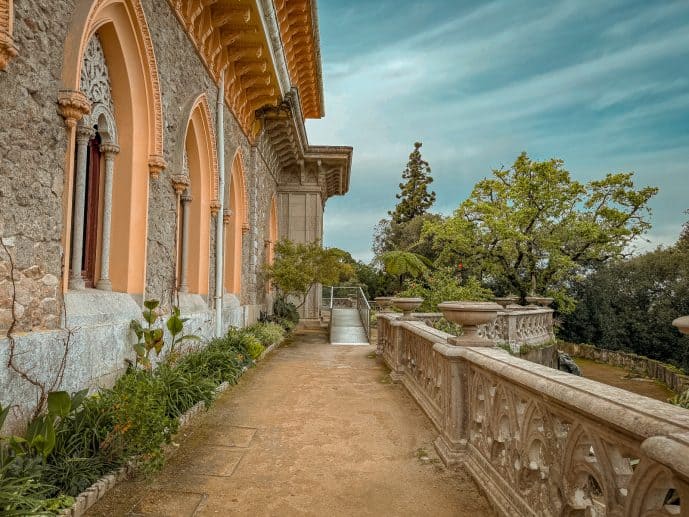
(615, 376)
(314, 430)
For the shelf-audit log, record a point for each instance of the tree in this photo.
(443, 285)
(298, 267)
(531, 228)
(391, 236)
(414, 197)
(630, 304)
(403, 264)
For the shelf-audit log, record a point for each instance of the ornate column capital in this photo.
(84, 134)
(227, 214)
(180, 182)
(109, 149)
(245, 228)
(7, 49)
(186, 197)
(156, 165)
(215, 207)
(72, 105)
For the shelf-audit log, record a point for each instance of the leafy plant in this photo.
(681, 400)
(152, 338)
(267, 333)
(442, 285)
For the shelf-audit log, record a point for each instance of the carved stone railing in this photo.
(537, 440)
(516, 327)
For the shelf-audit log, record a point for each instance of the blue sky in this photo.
(602, 84)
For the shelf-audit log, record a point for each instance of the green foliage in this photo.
(403, 264)
(152, 338)
(414, 197)
(267, 333)
(531, 228)
(448, 326)
(285, 312)
(79, 439)
(407, 236)
(681, 400)
(629, 305)
(443, 285)
(298, 267)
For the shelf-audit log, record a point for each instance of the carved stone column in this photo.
(186, 201)
(84, 134)
(110, 151)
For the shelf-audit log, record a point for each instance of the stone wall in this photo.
(664, 373)
(32, 145)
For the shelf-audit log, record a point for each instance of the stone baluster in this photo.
(84, 134)
(186, 212)
(109, 151)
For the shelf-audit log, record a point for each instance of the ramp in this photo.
(346, 327)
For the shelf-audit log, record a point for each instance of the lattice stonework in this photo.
(95, 82)
(7, 48)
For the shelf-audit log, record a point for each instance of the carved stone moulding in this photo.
(180, 182)
(7, 48)
(72, 105)
(156, 165)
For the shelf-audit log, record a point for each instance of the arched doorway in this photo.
(236, 223)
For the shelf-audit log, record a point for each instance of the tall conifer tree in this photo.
(415, 199)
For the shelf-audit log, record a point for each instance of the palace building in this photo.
(150, 149)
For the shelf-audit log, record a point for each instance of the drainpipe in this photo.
(219, 248)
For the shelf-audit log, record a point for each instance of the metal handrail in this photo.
(352, 295)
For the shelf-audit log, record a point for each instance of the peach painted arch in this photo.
(87, 18)
(272, 235)
(237, 224)
(198, 141)
(126, 43)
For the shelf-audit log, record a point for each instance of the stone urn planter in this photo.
(682, 324)
(470, 315)
(506, 301)
(384, 302)
(407, 306)
(543, 301)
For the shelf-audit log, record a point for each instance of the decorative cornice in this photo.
(156, 165)
(73, 106)
(299, 33)
(232, 37)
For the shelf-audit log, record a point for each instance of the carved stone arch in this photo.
(196, 147)
(649, 489)
(237, 221)
(585, 483)
(504, 429)
(7, 48)
(197, 108)
(136, 124)
(87, 18)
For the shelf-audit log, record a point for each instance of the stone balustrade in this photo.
(540, 441)
(513, 326)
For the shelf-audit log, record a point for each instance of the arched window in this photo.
(236, 223)
(96, 148)
(103, 110)
(199, 173)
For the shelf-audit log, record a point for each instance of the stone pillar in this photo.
(110, 151)
(454, 432)
(84, 134)
(186, 201)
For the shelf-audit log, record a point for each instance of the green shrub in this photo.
(442, 285)
(287, 311)
(267, 333)
(681, 400)
(252, 346)
(447, 326)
